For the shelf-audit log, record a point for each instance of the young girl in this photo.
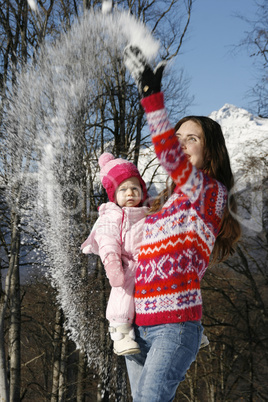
(188, 221)
(115, 237)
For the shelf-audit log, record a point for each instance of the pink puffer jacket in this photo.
(117, 231)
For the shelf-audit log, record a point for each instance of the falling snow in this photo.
(40, 126)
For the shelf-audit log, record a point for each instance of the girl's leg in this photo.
(172, 349)
(120, 313)
(120, 307)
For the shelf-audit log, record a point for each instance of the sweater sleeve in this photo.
(168, 150)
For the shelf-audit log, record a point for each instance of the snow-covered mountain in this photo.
(246, 135)
(246, 138)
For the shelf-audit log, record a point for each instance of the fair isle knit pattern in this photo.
(177, 240)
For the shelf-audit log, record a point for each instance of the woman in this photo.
(189, 221)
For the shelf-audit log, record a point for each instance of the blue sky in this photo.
(218, 75)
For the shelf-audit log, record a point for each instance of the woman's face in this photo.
(191, 137)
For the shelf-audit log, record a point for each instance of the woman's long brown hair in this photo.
(216, 165)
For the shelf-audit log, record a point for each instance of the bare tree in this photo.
(15, 50)
(256, 42)
(112, 120)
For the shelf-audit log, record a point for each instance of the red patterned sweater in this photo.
(177, 240)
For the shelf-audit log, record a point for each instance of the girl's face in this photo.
(191, 137)
(129, 193)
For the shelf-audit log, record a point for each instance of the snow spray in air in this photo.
(51, 94)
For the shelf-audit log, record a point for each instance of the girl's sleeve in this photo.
(105, 237)
(105, 240)
(168, 150)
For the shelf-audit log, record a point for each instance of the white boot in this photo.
(124, 344)
(204, 341)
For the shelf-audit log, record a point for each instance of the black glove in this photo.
(147, 80)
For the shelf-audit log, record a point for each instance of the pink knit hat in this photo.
(115, 171)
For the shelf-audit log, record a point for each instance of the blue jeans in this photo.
(167, 351)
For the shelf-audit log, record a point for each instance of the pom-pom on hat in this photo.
(114, 171)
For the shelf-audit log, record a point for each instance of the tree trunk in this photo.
(71, 371)
(81, 377)
(57, 356)
(63, 364)
(138, 135)
(10, 281)
(4, 391)
(82, 359)
(103, 392)
(15, 316)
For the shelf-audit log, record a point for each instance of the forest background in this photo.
(39, 359)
